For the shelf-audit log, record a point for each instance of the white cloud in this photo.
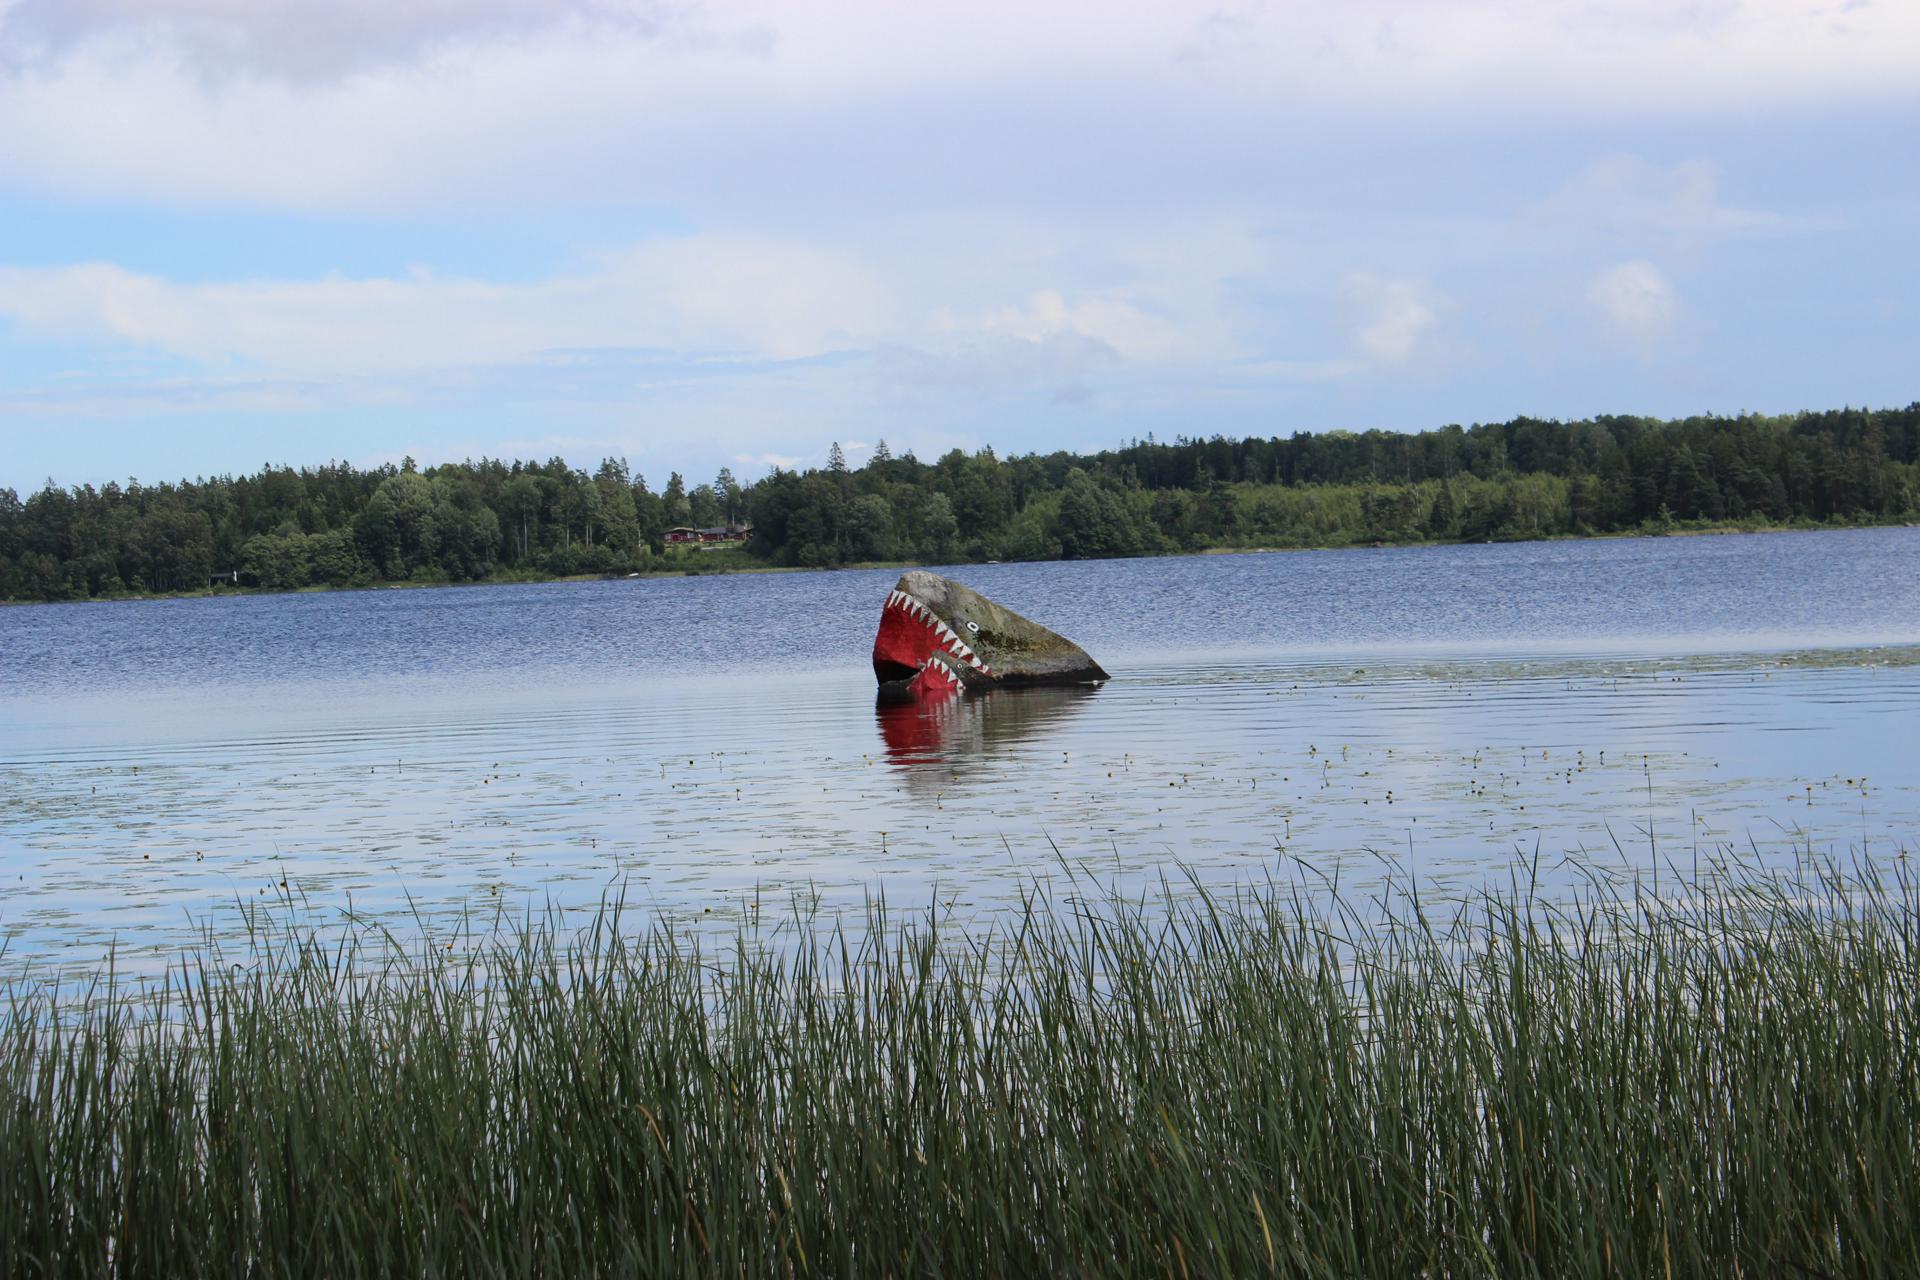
(677, 316)
(969, 369)
(1107, 320)
(768, 298)
(1626, 199)
(1395, 317)
(378, 103)
(841, 47)
(1635, 301)
(316, 39)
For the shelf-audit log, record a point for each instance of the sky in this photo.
(695, 235)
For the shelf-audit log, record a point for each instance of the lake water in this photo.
(699, 743)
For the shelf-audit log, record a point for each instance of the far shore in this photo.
(731, 565)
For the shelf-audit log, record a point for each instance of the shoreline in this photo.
(215, 593)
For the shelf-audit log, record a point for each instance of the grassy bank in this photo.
(1623, 1087)
(683, 564)
(739, 561)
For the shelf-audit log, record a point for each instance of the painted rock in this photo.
(938, 638)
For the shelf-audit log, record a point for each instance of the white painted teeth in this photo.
(948, 638)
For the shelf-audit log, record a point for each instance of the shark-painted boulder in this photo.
(939, 638)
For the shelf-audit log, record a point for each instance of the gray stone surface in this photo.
(1015, 650)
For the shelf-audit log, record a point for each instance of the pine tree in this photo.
(1440, 520)
(674, 498)
(836, 460)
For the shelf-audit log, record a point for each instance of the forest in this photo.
(336, 525)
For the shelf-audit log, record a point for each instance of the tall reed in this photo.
(1271, 1082)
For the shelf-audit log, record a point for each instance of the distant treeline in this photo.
(337, 525)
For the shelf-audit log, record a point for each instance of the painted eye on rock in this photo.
(974, 627)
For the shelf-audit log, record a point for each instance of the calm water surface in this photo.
(696, 743)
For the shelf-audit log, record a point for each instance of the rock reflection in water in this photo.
(936, 739)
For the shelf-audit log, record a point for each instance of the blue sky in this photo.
(244, 231)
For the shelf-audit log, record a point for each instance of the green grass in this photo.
(1280, 1081)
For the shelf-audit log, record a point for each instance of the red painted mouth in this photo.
(910, 634)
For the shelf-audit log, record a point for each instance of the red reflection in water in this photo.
(936, 730)
(914, 729)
